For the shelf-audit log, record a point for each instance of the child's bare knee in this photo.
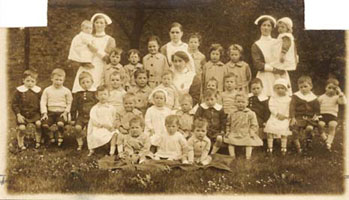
(38, 124)
(21, 127)
(332, 124)
(322, 124)
(309, 128)
(78, 128)
(60, 124)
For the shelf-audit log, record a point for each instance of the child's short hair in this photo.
(140, 71)
(242, 95)
(116, 51)
(195, 35)
(29, 72)
(102, 88)
(256, 81)
(230, 75)
(86, 23)
(154, 38)
(128, 96)
(171, 119)
(333, 81)
(237, 48)
(210, 93)
(167, 72)
(84, 75)
(58, 72)
(212, 79)
(133, 51)
(176, 24)
(216, 47)
(137, 120)
(305, 79)
(182, 55)
(199, 122)
(186, 98)
(115, 73)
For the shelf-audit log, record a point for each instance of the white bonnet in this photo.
(157, 90)
(281, 81)
(107, 19)
(262, 17)
(287, 21)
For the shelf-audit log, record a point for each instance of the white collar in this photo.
(23, 88)
(309, 97)
(217, 106)
(100, 34)
(260, 97)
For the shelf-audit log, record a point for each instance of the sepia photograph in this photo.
(175, 97)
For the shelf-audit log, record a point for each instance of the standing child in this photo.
(228, 96)
(214, 114)
(133, 56)
(278, 123)
(242, 128)
(172, 94)
(101, 127)
(329, 110)
(154, 62)
(26, 106)
(304, 111)
(113, 66)
(214, 67)
(171, 144)
(199, 144)
(156, 114)
(141, 90)
(83, 101)
(116, 91)
(55, 104)
(193, 49)
(238, 67)
(135, 146)
(186, 115)
(258, 103)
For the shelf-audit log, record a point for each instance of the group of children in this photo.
(141, 111)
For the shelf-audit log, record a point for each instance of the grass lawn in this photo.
(64, 170)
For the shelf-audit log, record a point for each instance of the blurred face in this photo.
(129, 104)
(266, 28)
(86, 83)
(103, 96)
(29, 82)
(212, 85)
(167, 80)
(159, 99)
(331, 89)
(241, 103)
(178, 63)
(234, 55)
(229, 83)
(215, 56)
(256, 89)
(176, 34)
(200, 132)
(87, 28)
(305, 88)
(134, 59)
(115, 58)
(135, 129)
(57, 81)
(115, 81)
(280, 90)
(282, 28)
(172, 128)
(194, 43)
(210, 101)
(186, 106)
(100, 25)
(153, 47)
(141, 80)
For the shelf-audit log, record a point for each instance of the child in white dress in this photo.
(278, 123)
(116, 91)
(100, 130)
(186, 115)
(167, 84)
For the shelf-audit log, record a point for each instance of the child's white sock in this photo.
(231, 149)
(330, 139)
(270, 143)
(112, 150)
(283, 142)
(248, 152)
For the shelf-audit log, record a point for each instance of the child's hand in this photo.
(20, 118)
(44, 116)
(281, 117)
(339, 91)
(293, 122)
(65, 116)
(92, 48)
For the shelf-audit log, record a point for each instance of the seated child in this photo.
(101, 128)
(214, 114)
(242, 128)
(212, 83)
(133, 56)
(304, 112)
(127, 113)
(26, 106)
(186, 115)
(171, 144)
(172, 94)
(135, 146)
(329, 110)
(55, 104)
(113, 66)
(80, 47)
(229, 93)
(81, 106)
(199, 144)
(116, 91)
